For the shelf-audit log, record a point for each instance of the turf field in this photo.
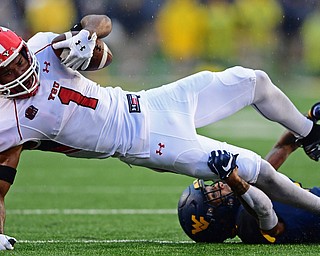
(63, 206)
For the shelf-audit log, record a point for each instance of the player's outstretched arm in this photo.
(282, 149)
(9, 160)
(288, 143)
(257, 204)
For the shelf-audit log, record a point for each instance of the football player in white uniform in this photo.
(47, 105)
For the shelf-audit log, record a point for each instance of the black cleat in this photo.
(311, 143)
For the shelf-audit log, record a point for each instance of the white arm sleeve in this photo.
(260, 203)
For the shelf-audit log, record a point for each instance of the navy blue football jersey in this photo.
(301, 226)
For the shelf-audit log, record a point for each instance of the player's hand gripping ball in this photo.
(102, 55)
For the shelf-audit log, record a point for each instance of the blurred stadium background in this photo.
(155, 42)
(170, 39)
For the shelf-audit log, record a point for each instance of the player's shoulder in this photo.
(40, 40)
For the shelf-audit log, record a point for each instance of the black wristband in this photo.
(7, 173)
(76, 27)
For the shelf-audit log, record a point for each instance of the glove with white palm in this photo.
(7, 242)
(81, 49)
(222, 163)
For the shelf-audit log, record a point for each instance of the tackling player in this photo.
(215, 212)
(47, 105)
(211, 213)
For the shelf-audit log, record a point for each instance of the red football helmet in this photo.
(10, 46)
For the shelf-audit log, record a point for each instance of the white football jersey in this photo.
(72, 114)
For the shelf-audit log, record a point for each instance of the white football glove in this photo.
(7, 242)
(81, 49)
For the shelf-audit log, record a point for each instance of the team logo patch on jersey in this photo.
(133, 102)
(31, 112)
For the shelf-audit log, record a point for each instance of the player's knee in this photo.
(261, 76)
(264, 86)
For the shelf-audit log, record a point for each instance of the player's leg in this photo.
(237, 87)
(273, 104)
(172, 151)
(234, 88)
(284, 112)
(212, 96)
(280, 188)
(221, 94)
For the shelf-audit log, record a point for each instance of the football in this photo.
(102, 56)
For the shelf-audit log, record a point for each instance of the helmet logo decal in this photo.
(161, 146)
(199, 225)
(5, 53)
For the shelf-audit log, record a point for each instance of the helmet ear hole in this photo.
(202, 221)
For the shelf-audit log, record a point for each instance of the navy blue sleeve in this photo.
(247, 228)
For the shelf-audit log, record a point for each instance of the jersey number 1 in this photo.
(66, 95)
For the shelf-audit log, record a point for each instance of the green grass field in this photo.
(64, 206)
